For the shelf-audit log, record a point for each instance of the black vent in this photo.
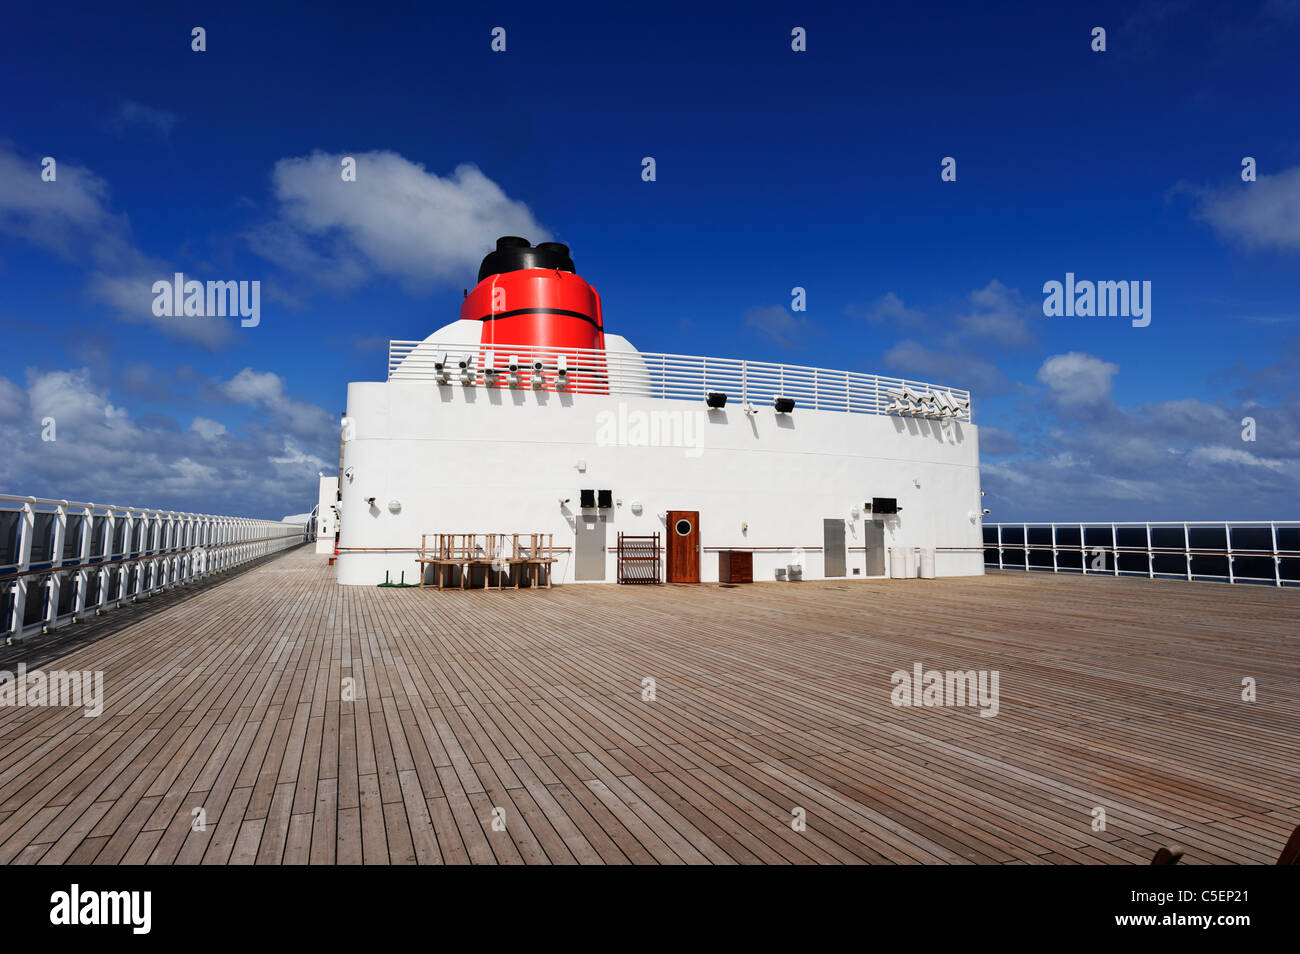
(514, 253)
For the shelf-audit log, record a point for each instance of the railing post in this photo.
(1024, 529)
(1151, 557)
(1187, 551)
(56, 560)
(1227, 542)
(26, 527)
(1055, 569)
(1114, 547)
(1000, 566)
(82, 577)
(1277, 560)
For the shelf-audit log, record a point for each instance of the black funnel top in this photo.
(513, 253)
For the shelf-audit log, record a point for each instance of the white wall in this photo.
(326, 524)
(478, 460)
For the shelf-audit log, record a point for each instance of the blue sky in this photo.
(775, 169)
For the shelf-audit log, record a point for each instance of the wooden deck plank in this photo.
(1117, 694)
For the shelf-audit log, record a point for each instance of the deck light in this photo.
(539, 379)
(716, 399)
(466, 371)
(783, 405)
(561, 373)
(440, 368)
(514, 372)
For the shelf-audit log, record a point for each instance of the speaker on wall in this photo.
(884, 505)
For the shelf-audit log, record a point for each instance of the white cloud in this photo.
(1260, 214)
(968, 372)
(777, 323)
(207, 428)
(69, 398)
(1233, 455)
(396, 220)
(71, 217)
(131, 115)
(266, 389)
(55, 215)
(1000, 316)
(1078, 378)
(104, 453)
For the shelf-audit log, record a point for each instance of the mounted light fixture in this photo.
(716, 399)
(783, 405)
(440, 368)
(466, 370)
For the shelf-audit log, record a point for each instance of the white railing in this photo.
(62, 561)
(1231, 551)
(684, 377)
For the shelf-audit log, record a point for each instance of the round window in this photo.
(683, 528)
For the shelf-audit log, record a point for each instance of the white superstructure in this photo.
(438, 448)
(327, 513)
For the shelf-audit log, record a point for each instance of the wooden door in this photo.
(683, 546)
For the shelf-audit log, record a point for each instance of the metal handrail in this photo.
(1105, 557)
(118, 554)
(648, 374)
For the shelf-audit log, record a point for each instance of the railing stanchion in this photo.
(1277, 560)
(1227, 543)
(1151, 557)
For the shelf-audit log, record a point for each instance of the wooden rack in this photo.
(638, 559)
(507, 555)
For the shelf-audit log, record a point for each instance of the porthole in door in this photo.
(683, 528)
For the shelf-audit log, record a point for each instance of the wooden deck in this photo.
(1120, 694)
